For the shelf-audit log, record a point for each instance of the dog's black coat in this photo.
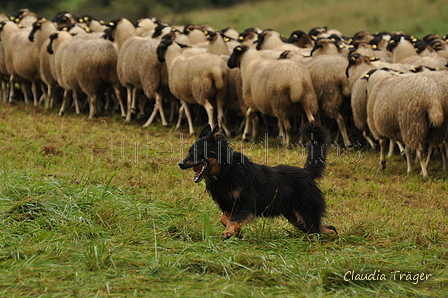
(243, 189)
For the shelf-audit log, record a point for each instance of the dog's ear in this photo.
(218, 134)
(205, 131)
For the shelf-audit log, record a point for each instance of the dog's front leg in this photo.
(233, 226)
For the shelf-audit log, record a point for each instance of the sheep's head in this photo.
(395, 39)
(358, 59)
(235, 58)
(36, 26)
(50, 45)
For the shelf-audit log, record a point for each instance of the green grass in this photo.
(417, 17)
(99, 208)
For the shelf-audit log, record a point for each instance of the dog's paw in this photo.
(226, 235)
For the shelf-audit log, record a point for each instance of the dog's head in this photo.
(208, 154)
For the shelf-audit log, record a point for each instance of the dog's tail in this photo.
(317, 149)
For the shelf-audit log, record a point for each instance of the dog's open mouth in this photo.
(199, 169)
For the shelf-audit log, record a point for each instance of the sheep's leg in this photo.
(421, 157)
(129, 103)
(120, 101)
(76, 100)
(34, 90)
(369, 140)
(188, 115)
(343, 130)
(25, 88)
(4, 91)
(309, 115)
(49, 100)
(249, 115)
(181, 114)
(134, 101)
(221, 120)
(443, 154)
(159, 103)
(382, 153)
(281, 131)
(254, 127)
(407, 153)
(402, 148)
(288, 128)
(391, 148)
(64, 102)
(92, 105)
(153, 115)
(157, 108)
(141, 106)
(209, 108)
(11, 89)
(428, 158)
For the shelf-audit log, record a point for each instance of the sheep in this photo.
(272, 40)
(39, 35)
(411, 109)
(194, 79)
(137, 66)
(326, 47)
(331, 87)
(249, 37)
(230, 32)
(4, 76)
(24, 17)
(403, 51)
(21, 59)
(87, 65)
(93, 24)
(438, 43)
(195, 34)
(301, 39)
(274, 87)
(359, 99)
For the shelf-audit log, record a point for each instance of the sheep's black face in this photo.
(50, 44)
(235, 58)
(36, 26)
(161, 49)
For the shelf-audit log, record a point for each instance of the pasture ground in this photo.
(100, 208)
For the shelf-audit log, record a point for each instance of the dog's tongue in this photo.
(198, 169)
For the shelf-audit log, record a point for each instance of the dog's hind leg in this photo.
(328, 229)
(304, 222)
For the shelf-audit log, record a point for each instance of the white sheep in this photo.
(4, 76)
(21, 59)
(403, 51)
(87, 65)
(274, 87)
(331, 86)
(411, 109)
(137, 67)
(194, 79)
(39, 35)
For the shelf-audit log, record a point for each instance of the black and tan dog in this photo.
(244, 190)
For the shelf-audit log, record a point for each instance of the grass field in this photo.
(417, 17)
(100, 208)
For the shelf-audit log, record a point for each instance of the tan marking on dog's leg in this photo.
(225, 218)
(234, 228)
(296, 220)
(328, 229)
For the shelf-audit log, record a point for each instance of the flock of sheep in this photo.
(388, 85)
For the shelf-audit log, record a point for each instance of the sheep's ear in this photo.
(205, 131)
